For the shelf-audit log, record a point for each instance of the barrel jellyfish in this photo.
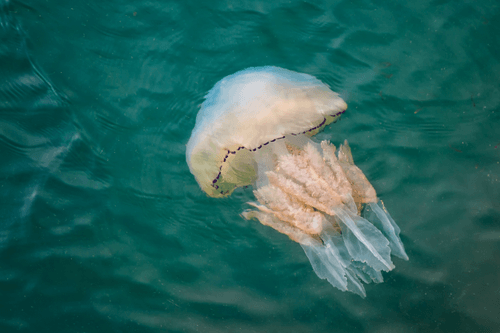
(254, 128)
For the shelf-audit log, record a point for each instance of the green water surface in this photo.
(104, 229)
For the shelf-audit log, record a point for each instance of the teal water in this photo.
(104, 229)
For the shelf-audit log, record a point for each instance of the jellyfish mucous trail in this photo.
(254, 128)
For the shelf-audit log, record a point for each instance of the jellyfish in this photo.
(255, 128)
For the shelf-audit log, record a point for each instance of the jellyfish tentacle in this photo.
(298, 168)
(344, 186)
(325, 265)
(328, 264)
(336, 241)
(292, 232)
(327, 178)
(345, 153)
(295, 189)
(286, 209)
(378, 254)
(367, 273)
(362, 190)
(307, 186)
(389, 228)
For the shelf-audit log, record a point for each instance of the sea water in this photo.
(104, 229)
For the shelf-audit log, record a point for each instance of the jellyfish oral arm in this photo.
(324, 202)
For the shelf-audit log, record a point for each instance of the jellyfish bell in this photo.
(251, 110)
(254, 127)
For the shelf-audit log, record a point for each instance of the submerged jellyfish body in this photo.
(254, 128)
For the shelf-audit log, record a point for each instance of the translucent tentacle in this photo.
(370, 274)
(359, 236)
(336, 242)
(326, 204)
(328, 264)
(383, 220)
